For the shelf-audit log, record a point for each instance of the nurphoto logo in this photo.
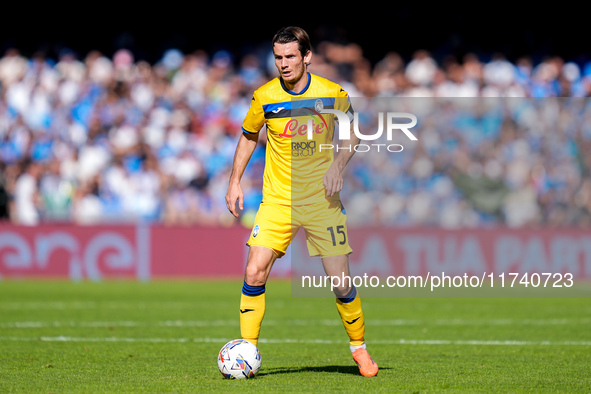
(345, 131)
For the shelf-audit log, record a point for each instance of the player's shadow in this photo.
(344, 369)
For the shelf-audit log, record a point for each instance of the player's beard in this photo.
(295, 75)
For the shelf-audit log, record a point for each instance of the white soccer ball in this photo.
(239, 359)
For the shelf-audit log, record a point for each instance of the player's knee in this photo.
(342, 291)
(260, 261)
(255, 275)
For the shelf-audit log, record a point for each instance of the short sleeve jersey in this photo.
(295, 164)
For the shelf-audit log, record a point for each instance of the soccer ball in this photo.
(239, 359)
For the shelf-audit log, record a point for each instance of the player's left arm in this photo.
(333, 178)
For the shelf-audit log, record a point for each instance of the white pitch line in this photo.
(63, 338)
(18, 305)
(299, 322)
(496, 322)
(124, 323)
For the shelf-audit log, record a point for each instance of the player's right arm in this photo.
(253, 122)
(244, 150)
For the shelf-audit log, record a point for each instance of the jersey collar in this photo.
(303, 90)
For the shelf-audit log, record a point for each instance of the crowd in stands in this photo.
(113, 139)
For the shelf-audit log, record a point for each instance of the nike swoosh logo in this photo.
(352, 321)
(246, 310)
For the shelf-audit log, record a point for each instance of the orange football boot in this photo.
(366, 365)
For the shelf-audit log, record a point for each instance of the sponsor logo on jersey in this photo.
(303, 149)
(293, 127)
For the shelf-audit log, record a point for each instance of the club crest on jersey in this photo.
(318, 105)
(255, 231)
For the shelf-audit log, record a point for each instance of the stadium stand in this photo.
(114, 139)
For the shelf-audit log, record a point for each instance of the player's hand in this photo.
(333, 181)
(234, 194)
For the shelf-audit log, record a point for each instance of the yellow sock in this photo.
(352, 316)
(252, 311)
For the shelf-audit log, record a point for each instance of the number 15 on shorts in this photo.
(340, 234)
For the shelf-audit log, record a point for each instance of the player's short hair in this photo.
(293, 34)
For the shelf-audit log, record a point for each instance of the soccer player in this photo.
(301, 185)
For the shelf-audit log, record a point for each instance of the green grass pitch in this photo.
(119, 336)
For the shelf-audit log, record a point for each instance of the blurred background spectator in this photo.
(115, 139)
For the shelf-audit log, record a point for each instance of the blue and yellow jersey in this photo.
(295, 165)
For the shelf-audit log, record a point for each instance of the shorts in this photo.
(325, 224)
